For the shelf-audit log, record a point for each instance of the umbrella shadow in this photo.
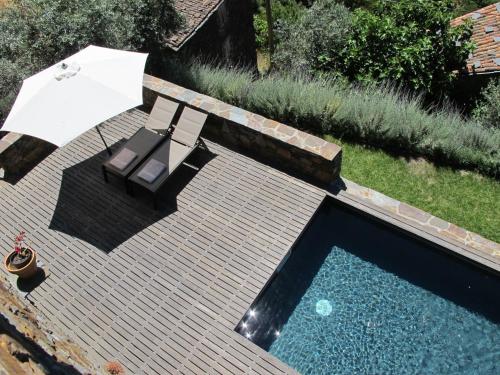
(103, 215)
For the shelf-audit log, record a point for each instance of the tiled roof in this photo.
(486, 35)
(196, 13)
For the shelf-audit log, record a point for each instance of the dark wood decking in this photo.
(160, 291)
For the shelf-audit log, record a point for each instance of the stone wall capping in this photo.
(19, 153)
(278, 143)
(8, 140)
(476, 247)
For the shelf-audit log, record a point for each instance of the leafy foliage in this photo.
(487, 110)
(466, 6)
(381, 116)
(353, 4)
(10, 83)
(314, 42)
(35, 34)
(407, 41)
(261, 30)
(282, 10)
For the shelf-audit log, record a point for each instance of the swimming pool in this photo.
(357, 297)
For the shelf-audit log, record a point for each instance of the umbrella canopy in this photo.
(73, 96)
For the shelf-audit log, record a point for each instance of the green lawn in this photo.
(467, 199)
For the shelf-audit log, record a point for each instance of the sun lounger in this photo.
(162, 115)
(142, 143)
(164, 161)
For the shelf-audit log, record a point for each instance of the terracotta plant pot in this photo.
(25, 272)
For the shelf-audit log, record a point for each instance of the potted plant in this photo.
(114, 368)
(21, 261)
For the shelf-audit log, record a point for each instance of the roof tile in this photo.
(486, 36)
(196, 13)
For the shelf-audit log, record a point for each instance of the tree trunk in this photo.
(269, 16)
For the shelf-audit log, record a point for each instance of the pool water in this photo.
(356, 297)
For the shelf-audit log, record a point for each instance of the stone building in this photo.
(484, 63)
(220, 29)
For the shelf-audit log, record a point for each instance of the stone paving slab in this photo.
(432, 223)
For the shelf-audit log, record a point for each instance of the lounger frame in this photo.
(192, 141)
(133, 183)
(163, 111)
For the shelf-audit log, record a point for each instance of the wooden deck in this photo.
(159, 291)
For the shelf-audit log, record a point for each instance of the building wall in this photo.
(228, 35)
(467, 89)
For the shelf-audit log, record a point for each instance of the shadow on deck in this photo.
(95, 212)
(159, 291)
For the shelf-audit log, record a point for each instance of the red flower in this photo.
(20, 236)
(18, 244)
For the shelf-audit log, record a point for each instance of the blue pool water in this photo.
(356, 297)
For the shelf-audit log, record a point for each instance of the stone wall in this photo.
(19, 154)
(274, 143)
(228, 35)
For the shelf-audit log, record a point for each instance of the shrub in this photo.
(10, 82)
(261, 30)
(353, 4)
(408, 41)
(288, 11)
(35, 34)
(384, 116)
(315, 41)
(487, 110)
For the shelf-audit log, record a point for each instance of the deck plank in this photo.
(161, 291)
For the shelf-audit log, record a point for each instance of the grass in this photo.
(383, 116)
(388, 120)
(464, 198)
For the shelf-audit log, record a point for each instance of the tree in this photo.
(279, 11)
(313, 42)
(35, 34)
(408, 41)
(269, 18)
(487, 110)
(353, 4)
(466, 6)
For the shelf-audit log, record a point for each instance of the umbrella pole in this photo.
(103, 141)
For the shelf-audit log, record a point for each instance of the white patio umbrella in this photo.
(75, 95)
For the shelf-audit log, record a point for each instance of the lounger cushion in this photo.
(177, 154)
(123, 159)
(189, 127)
(152, 170)
(162, 114)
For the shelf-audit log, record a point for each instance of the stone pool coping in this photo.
(458, 240)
